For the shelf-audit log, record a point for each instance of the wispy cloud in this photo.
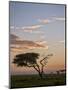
(34, 31)
(12, 27)
(42, 37)
(31, 27)
(50, 20)
(17, 28)
(44, 20)
(44, 43)
(38, 32)
(41, 42)
(63, 41)
(29, 31)
(26, 28)
(59, 18)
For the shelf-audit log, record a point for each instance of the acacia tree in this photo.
(30, 60)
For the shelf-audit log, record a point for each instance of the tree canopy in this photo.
(26, 59)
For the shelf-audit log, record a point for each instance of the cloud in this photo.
(44, 43)
(19, 45)
(59, 18)
(30, 31)
(34, 31)
(41, 42)
(13, 39)
(31, 27)
(12, 27)
(63, 41)
(51, 19)
(27, 28)
(42, 37)
(38, 32)
(44, 20)
(27, 44)
(17, 28)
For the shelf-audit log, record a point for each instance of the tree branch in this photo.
(42, 66)
(37, 69)
(45, 58)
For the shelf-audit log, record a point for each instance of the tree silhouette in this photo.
(30, 60)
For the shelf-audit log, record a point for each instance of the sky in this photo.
(36, 27)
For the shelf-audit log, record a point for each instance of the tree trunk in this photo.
(41, 75)
(39, 72)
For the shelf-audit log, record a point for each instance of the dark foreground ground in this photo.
(24, 81)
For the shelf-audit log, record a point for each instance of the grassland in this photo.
(24, 81)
